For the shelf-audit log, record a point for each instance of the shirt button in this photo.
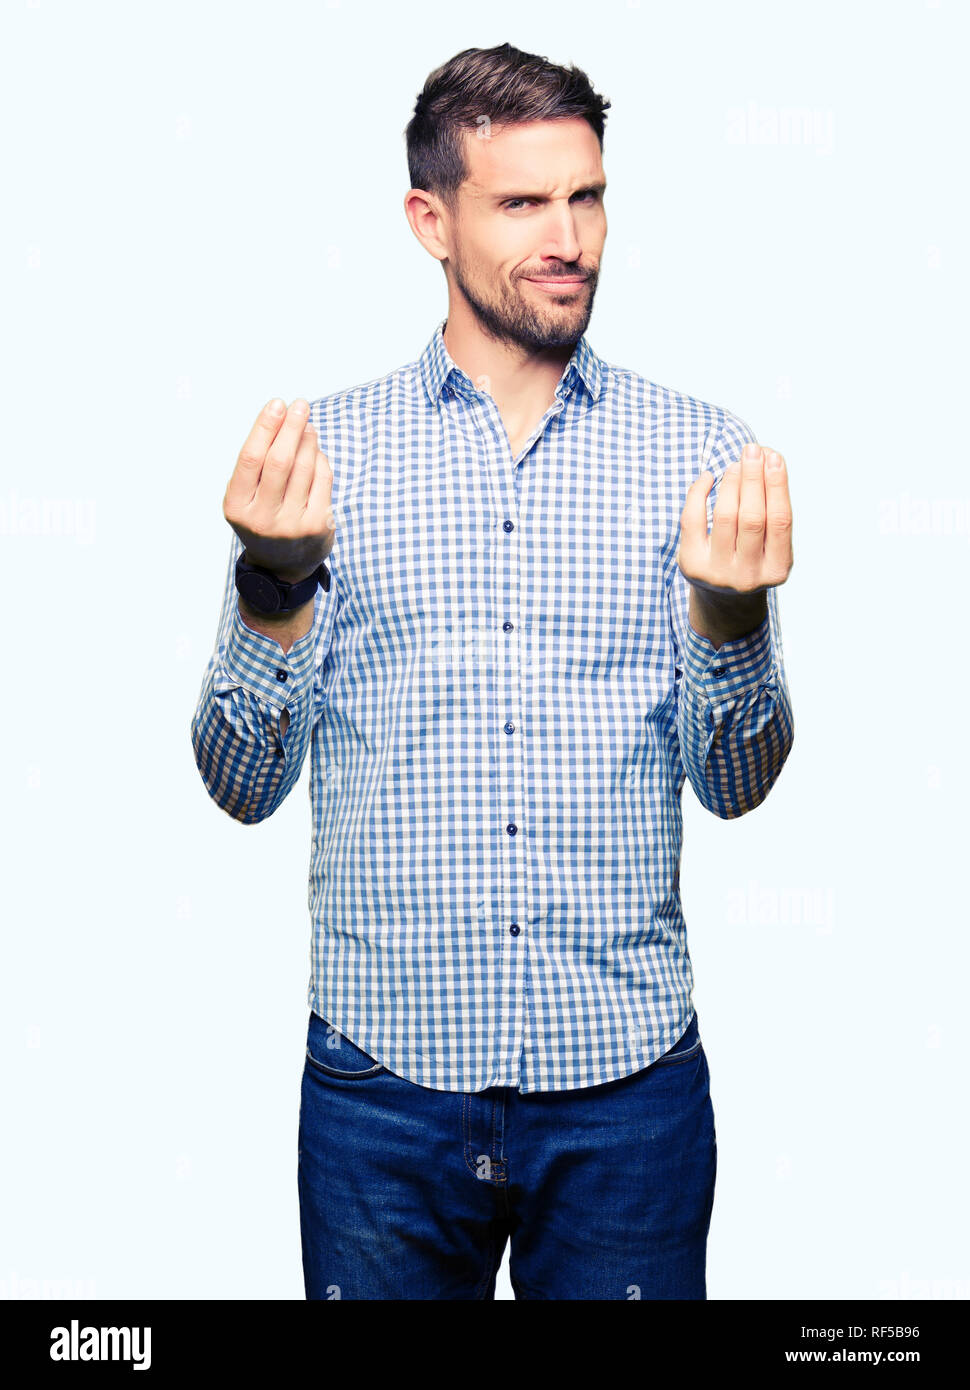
(511, 829)
(280, 674)
(719, 670)
(280, 753)
(510, 727)
(514, 929)
(506, 525)
(506, 626)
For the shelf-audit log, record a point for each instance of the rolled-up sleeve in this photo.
(247, 764)
(734, 715)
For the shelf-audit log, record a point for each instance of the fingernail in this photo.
(774, 460)
(276, 407)
(751, 451)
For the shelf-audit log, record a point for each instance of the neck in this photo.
(519, 380)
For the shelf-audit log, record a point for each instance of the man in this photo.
(522, 645)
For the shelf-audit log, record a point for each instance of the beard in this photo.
(508, 318)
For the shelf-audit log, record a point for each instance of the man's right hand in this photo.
(278, 498)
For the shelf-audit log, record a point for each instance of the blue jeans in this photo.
(605, 1192)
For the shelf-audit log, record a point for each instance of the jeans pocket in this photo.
(333, 1054)
(684, 1049)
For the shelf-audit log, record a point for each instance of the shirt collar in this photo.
(438, 369)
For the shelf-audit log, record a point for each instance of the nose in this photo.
(561, 240)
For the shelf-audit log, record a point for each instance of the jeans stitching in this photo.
(491, 1266)
(343, 1075)
(467, 1135)
(678, 1056)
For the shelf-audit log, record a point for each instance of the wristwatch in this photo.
(264, 592)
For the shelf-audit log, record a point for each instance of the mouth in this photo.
(560, 284)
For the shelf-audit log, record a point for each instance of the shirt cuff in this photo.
(259, 664)
(733, 667)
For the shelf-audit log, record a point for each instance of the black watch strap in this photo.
(266, 593)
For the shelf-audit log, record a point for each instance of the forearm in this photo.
(286, 628)
(723, 618)
(250, 699)
(735, 720)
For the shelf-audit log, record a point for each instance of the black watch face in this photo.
(260, 592)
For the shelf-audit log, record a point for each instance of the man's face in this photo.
(526, 242)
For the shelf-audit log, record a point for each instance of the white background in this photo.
(206, 211)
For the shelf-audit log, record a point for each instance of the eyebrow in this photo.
(538, 197)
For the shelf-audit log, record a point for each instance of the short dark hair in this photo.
(502, 84)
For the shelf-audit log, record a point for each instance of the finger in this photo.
(693, 522)
(724, 523)
(245, 476)
(778, 530)
(319, 506)
(281, 454)
(301, 474)
(751, 511)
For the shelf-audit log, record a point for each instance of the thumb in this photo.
(693, 524)
(693, 519)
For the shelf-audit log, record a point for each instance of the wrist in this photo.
(286, 576)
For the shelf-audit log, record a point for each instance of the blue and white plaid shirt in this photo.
(501, 696)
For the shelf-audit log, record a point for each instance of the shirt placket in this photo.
(512, 718)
